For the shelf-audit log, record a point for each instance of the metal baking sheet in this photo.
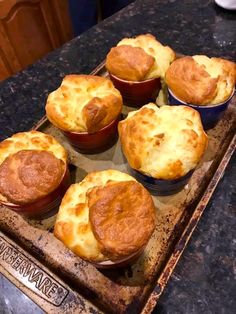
(136, 288)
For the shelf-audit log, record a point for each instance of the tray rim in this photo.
(33, 292)
(189, 229)
(163, 277)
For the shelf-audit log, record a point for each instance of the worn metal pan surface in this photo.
(79, 286)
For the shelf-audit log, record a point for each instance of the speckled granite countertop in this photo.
(204, 279)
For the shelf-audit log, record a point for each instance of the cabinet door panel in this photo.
(29, 29)
(5, 69)
(7, 51)
(62, 16)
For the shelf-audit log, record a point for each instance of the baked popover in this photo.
(84, 103)
(107, 216)
(200, 80)
(164, 143)
(32, 165)
(139, 58)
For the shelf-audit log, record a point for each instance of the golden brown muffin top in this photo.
(201, 80)
(140, 58)
(84, 103)
(122, 217)
(164, 143)
(29, 175)
(74, 228)
(32, 140)
(121, 62)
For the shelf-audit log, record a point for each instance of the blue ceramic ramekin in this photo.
(210, 114)
(160, 186)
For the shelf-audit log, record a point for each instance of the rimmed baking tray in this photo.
(78, 286)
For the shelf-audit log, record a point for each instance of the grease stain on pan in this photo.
(125, 291)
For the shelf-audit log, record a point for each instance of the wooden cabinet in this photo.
(29, 29)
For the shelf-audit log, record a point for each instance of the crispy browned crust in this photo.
(229, 67)
(165, 143)
(84, 103)
(201, 80)
(228, 74)
(98, 112)
(140, 58)
(32, 140)
(122, 217)
(129, 63)
(29, 175)
(190, 82)
(72, 225)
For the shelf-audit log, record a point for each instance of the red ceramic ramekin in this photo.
(136, 93)
(129, 260)
(96, 142)
(46, 206)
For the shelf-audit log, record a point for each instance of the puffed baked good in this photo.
(35, 142)
(139, 58)
(84, 103)
(201, 80)
(164, 143)
(29, 175)
(108, 215)
(32, 140)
